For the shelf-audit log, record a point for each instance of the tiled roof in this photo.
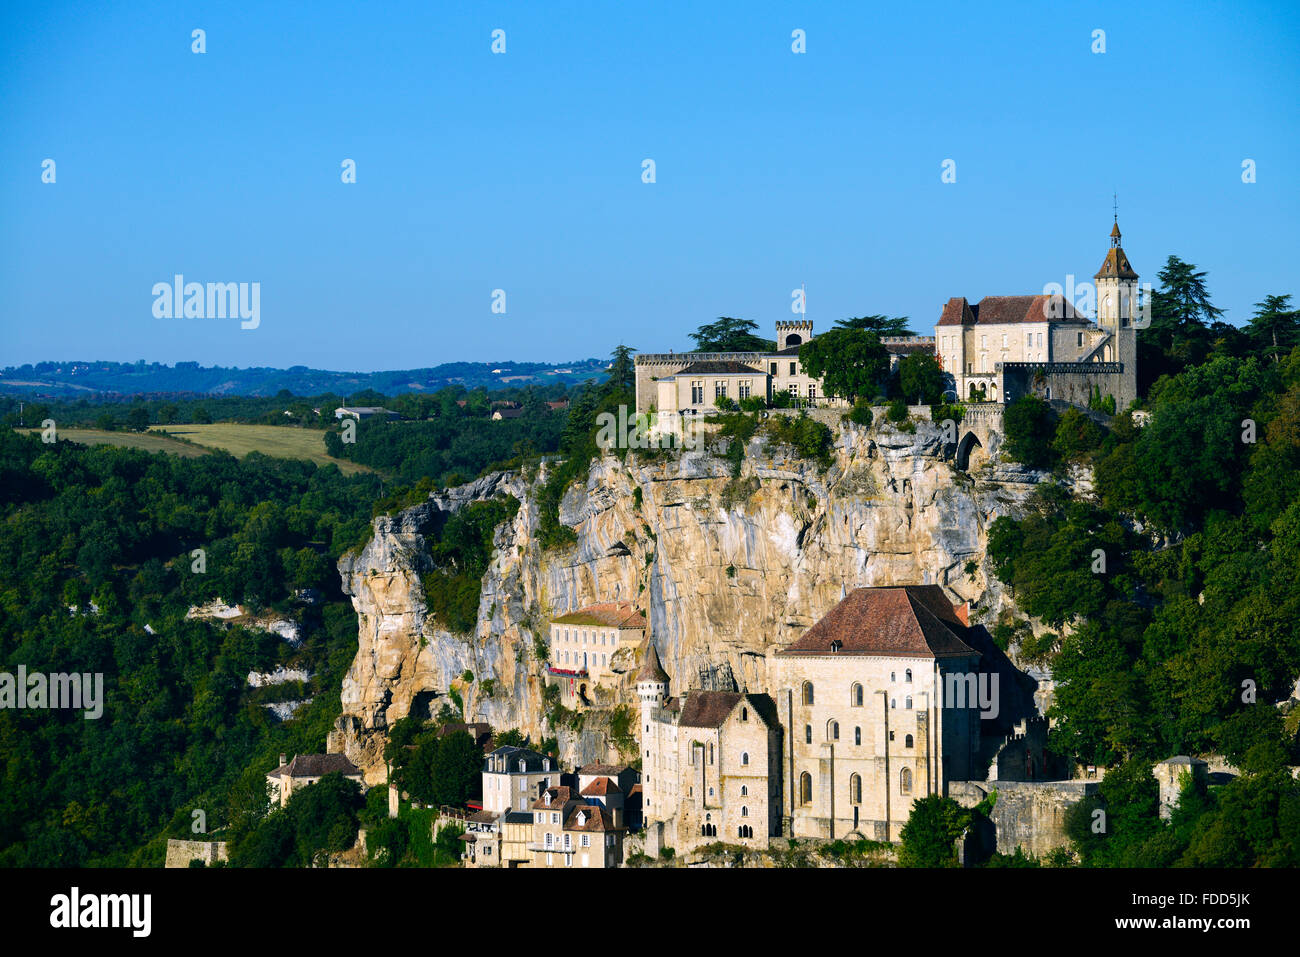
(902, 621)
(651, 668)
(316, 766)
(602, 786)
(1001, 310)
(595, 818)
(718, 367)
(611, 614)
(558, 795)
(708, 709)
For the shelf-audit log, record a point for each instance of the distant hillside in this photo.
(123, 378)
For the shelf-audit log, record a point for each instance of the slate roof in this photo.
(316, 766)
(1001, 310)
(533, 761)
(719, 367)
(518, 817)
(598, 768)
(906, 621)
(1116, 263)
(609, 614)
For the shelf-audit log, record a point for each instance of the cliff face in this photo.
(727, 570)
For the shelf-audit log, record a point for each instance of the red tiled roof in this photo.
(612, 614)
(602, 786)
(596, 818)
(1000, 310)
(898, 621)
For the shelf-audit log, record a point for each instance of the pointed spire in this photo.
(651, 669)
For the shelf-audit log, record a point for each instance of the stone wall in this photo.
(180, 853)
(1027, 814)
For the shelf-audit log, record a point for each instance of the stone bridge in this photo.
(977, 435)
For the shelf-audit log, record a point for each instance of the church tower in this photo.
(1117, 301)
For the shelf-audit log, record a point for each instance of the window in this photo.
(1004, 340)
(720, 389)
(567, 843)
(794, 390)
(744, 757)
(550, 840)
(744, 831)
(855, 789)
(855, 696)
(905, 781)
(744, 714)
(744, 812)
(907, 702)
(857, 736)
(893, 677)
(812, 390)
(773, 369)
(744, 790)
(697, 392)
(805, 788)
(793, 369)
(834, 731)
(807, 734)
(1040, 340)
(711, 755)
(1081, 340)
(807, 693)
(984, 342)
(907, 742)
(555, 819)
(893, 702)
(743, 388)
(1029, 340)
(907, 676)
(586, 840)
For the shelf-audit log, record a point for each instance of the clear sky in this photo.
(523, 171)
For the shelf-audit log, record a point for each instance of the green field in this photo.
(236, 438)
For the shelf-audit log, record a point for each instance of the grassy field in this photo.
(237, 439)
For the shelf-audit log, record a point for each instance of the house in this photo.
(693, 382)
(516, 829)
(569, 832)
(307, 769)
(482, 839)
(584, 643)
(480, 731)
(513, 776)
(871, 720)
(362, 412)
(507, 413)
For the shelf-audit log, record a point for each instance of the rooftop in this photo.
(316, 766)
(610, 614)
(1003, 310)
(908, 621)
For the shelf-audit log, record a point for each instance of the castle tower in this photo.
(793, 333)
(1117, 299)
(651, 681)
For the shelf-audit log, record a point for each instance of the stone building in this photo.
(570, 831)
(513, 777)
(584, 644)
(306, 769)
(867, 700)
(710, 765)
(1003, 347)
(673, 383)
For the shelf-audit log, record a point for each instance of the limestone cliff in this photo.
(727, 570)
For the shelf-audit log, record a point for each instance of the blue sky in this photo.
(522, 171)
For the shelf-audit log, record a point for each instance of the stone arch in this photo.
(793, 339)
(968, 442)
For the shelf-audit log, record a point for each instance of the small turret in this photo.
(651, 680)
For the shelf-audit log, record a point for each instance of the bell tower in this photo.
(1117, 301)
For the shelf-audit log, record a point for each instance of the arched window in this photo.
(857, 736)
(893, 702)
(744, 757)
(807, 693)
(855, 698)
(907, 742)
(744, 714)
(745, 831)
(893, 676)
(807, 733)
(805, 788)
(907, 675)
(907, 702)
(744, 812)
(744, 790)
(855, 789)
(835, 730)
(905, 781)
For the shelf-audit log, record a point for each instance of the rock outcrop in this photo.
(726, 569)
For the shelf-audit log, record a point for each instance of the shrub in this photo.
(861, 414)
(897, 412)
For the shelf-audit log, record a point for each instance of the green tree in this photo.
(921, 378)
(1275, 326)
(1030, 427)
(880, 325)
(850, 363)
(931, 832)
(729, 334)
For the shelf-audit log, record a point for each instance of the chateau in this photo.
(994, 350)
